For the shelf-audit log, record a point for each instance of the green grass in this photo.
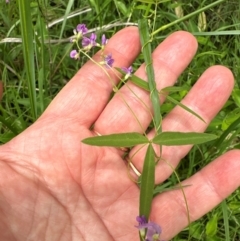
(29, 88)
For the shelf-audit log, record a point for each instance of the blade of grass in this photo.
(68, 9)
(41, 57)
(28, 52)
(225, 220)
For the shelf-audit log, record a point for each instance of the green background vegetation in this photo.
(51, 23)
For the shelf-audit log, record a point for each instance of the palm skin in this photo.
(53, 187)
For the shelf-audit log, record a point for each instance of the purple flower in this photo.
(141, 220)
(82, 29)
(153, 229)
(74, 54)
(104, 40)
(128, 72)
(7, 1)
(88, 43)
(108, 60)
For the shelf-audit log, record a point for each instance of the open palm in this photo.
(53, 187)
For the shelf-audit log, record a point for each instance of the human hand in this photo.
(53, 187)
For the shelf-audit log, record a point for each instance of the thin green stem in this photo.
(186, 17)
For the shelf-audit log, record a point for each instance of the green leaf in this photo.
(122, 7)
(147, 183)
(117, 140)
(144, 85)
(211, 227)
(196, 231)
(175, 89)
(169, 98)
(182, 138)
(230, 118)
(147, 53)
(139, 82)
(236, 96)
(136, 80)
(164, 187)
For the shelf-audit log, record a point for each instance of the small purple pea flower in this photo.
(104, 40)
(108, 60)
(153, 229)
(128, 72)
(80, 30)
(141, 220)
(88, 43)
(74, 54)
(7, 1)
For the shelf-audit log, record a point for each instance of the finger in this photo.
(85, 96)
(207, 189)
(130, 108)
(205, 98)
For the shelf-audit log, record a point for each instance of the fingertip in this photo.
(210, 92)
(231, 161)
(233, 153)
(176, 51)
(187, 37)
(222, 73)
(124, 38)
